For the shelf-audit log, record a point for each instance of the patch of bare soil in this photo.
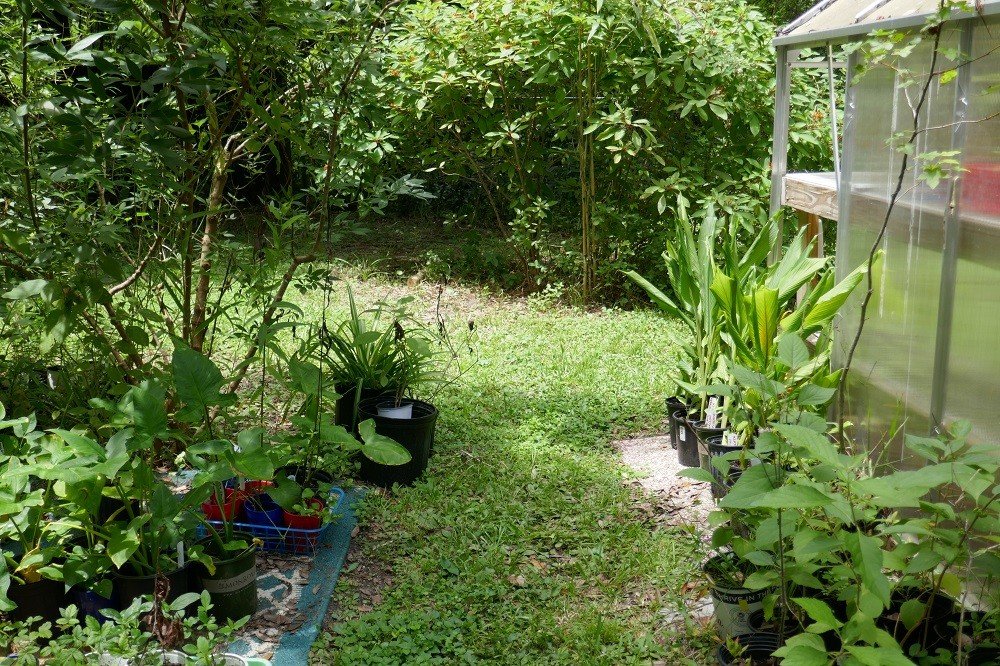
(365, 577)
(671, 501)
(675, 501)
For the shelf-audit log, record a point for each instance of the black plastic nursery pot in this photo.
(415, 434)
(687, 440)
(960, 628)
(91, 604)
(757, 649)
(938, 612)
(738, 610)
(673, 405)
(128, 586)
(233, 586)
(299, 473)
(42, 599)
(723, 480)
(345, 415)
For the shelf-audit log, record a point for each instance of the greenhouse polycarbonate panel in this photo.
(893, 369)
(972, 389)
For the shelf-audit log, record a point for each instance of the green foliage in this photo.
(849, 559)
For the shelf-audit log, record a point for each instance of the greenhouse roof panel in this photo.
(842, 20)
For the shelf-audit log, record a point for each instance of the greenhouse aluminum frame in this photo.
(927, 356)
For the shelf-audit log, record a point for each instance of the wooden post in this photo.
(814, 232)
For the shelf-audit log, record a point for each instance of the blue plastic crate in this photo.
(288, 540)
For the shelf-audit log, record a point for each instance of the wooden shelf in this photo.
(814, 193)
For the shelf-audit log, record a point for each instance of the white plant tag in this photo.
(732, 439)
(682, 433)
(711, 413)
(180, 553)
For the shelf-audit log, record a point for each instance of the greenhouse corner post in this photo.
(779, 141)
(952, 232)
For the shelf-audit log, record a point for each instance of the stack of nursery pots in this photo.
(409, 422)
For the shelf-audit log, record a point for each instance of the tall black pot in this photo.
(42, 599)
(674, 404)
(346, 415)
(703, 432)
(129, 586)
(723, 480)
(415, 434)
(939, 610)
(686, 440)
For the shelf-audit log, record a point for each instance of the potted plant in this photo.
(737, 608)
(362, 356)
(39, 478)
(229, 573)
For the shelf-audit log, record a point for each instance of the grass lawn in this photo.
(523, 544)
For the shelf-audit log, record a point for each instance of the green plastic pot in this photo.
(233, 586)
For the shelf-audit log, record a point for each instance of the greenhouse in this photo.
(926, 357)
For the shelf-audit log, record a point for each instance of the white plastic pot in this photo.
(389, 410)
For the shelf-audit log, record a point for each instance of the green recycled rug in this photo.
(294, 592)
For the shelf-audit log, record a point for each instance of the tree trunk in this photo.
(199, 314)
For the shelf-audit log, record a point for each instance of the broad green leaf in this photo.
(766, 314)
(811, 395)
(815, 444)
(791, 497)
(379, 448)
(198, 382)
(879, 656)
(820, 613)
(792, 351)
(830, 303)
(82, 445)
(866, 556)
(122, 544)
(27, 289)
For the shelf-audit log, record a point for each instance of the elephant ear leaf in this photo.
(379, 448)
(199, 384)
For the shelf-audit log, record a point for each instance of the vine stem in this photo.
(873, 252)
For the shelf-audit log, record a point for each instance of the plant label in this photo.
(711, 413)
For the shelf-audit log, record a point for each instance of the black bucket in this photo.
(43, 599)
(686, 440)
(757, 649)
(345, 415)
(128, 587)
(673, 404)
(233, 586)
(415, 434)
